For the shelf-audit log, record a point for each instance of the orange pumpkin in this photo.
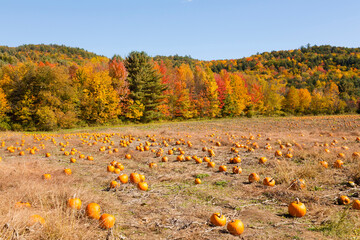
(237, 170)
(235, 227)
(67, 171)
(344, 200)
(297, 209)
(253, 177)
(222, 168)
(107, 221)
(356, 204)
(211, 164)
(268, 181)
(134, 178)
(93, 210)
(218, 220)
(46, 176)
(113, 184)
(262, 160)
(324, 164)
(338, 163)
(74, 203)
(110, 168)
(142, 186)
(123, 178)
(298, 184)
(34, 219)
(152, 165)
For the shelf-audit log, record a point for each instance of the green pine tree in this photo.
(144, 84)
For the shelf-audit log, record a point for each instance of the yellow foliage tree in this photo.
(99, 100)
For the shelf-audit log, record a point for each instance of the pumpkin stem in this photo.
(297, 200)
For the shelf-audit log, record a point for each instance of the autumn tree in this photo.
(144, 84)
(4, 107)
(304, 100)
(99, 100)
(291, 101)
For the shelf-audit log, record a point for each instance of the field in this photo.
(174, 207)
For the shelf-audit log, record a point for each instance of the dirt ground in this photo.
(174, 207)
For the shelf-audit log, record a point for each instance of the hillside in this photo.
(49, 86)
(44, 53)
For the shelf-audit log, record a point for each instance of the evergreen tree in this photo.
(144, 84)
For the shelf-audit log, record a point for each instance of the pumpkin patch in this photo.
(198, 180)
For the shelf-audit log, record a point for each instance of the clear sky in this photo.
(203, 29)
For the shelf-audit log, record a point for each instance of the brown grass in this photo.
(174, 207)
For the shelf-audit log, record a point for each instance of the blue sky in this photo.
(203, 29)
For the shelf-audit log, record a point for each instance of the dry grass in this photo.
(174, 207)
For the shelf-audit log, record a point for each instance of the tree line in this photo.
(47, 87)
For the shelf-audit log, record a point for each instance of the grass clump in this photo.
(341, 225)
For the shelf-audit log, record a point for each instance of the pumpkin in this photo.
(211, 164)
(135, 178)
(222, 168)
(278, 153)
(107, 221)
(206, 159)
(128, 156)
(356, 155)
(164, 159)
(253, 177)
(324, 164)
(47, 155)
(197, 181)
(34, 219)
(74, 203)
(46, 176)
(117, 170)
(142, 186)
(120, 166)
(235, 227)
(356, 204)
(344, 200)
(298, 184)
(297, 209)
(110, 168)
(142, 177)
(338, 163)
(90, 158)
(152, 165)
(236, 160)
(237, 170)
(262, 160)
(341, 155)
(123, 178)
(22, 204)
(113, 184)
(218, 220)
(67, 171)
(268, 181)
(72, 160)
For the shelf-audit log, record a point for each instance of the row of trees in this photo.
(46, 96)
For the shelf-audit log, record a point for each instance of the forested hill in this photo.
(44, 53)
(44, 87)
